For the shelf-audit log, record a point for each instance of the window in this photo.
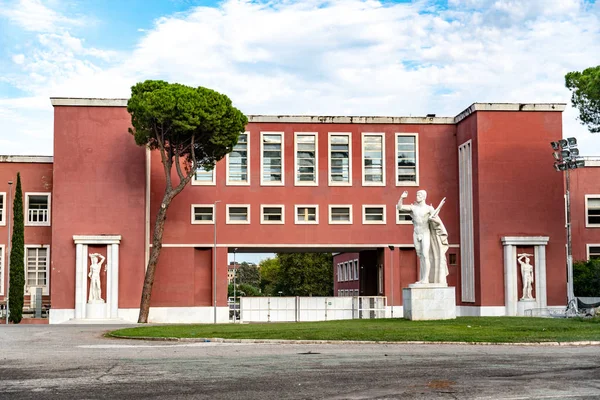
(593, 251)
(271, 160)
(451, 259)
(204, 177)
(373, 159)
(340, 160)
(306, 159)
(36, 273)
(355, 270)
(238, 162)
(373, 214)
(238, 213)
(203, 213)
(2, 208)
(340, 214)
(403, 217)
(407, 152)
(346, 271)
(272, 214)
(592, 210)
(1, 269)
(38, 209)
(307, 214)
(339, 272)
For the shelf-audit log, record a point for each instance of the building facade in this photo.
(302, 183)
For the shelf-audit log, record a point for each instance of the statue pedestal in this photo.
(96, 310)
(429, 302)
(525, 304)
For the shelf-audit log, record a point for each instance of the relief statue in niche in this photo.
(526, 275)
(94, 275)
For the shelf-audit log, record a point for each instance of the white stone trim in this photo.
(467, 237)
(587, 249)
(592, 161)
(262, 214)
(525, 240)
(383, 157)
(3, 210)
(362, 246)
(60, 316)
(417, 159)
(87, 102)
(299, 222)
(211, 206)
(97, 239)
(272, 183)
(229, 182)
(588, 197)
(235, 222)
(364, 215)
(329, 181)
(350, 211)
(547, 107)
(46, 288)
(316, 166)
(322, 119)
(480, 311)
(27, 159)
(178, 315)
(27, 195)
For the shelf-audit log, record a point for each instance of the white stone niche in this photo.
(108, 310)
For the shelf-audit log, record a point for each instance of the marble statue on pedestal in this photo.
(526, 275)
(430, 238)
(94, 275)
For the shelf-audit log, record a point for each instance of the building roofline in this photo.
(592, 161)
(27, 159)
(311, 119)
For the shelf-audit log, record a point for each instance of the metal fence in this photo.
(296, 309)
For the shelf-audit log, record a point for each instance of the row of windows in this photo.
(303, 214)
(37, 209)
(306, 160)
(347, 271)
(347, 292)
(36, 268)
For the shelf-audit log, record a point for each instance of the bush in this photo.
(586, 278)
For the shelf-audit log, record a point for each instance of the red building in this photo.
(302, 183)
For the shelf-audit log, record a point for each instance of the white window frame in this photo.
(3, 211)
(2, 269)
(304, 183)
(27, 195)
(587, 197)
(400, 221)
(212, 182)
(211, 222)
(417, 161)
(362, 158)
(332, 206)
(364, 215)
(339, 272)
(46, 289)
(335, 183)
(236, 222)
(247, 181)
(355, 270)
(587, 249)
(262, 214)
(262, 181)
(299, 222)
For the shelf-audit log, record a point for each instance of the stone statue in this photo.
(94, 275)
(526, 275)
(430, 238)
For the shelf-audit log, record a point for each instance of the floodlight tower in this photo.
(566, 156)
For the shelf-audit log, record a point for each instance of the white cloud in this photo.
(18, 58)
(344, 57)
(33, 15)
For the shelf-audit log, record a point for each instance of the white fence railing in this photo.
(297, 309)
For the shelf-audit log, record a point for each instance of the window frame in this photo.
(262, 181)
(29, 194)
(362, 158)
(348, 206)
(228, 181)
(355, 267)
(3, 210)
(236, 222)
(211, 222)
(336, 183)
(400, 221)
(2, 269)
(316, 166)
(417, 159)
(298, 222)
(587, 223)
(588, 246)
(213, 182)
(46, 288)
(364, 215)
(262, 214)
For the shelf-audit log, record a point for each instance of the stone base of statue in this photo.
(97, 309)
(429, 301)
(524, 305)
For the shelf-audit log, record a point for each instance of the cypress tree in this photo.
(17, 257)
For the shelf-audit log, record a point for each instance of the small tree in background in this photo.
(306, 274)
(17, 258)
(248, 274)
(586, 278)
(585, 96)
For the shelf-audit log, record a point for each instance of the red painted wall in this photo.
(349, 284)
(583, 181)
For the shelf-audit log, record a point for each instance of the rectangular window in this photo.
(203, 213)
(272, 214)
(238, 213)
(38, 209)
(340, 160)
(403, 217)
(238, 162)
(340, 214)
(36, 273)
(307, 214)
(373, 214)
(204, 177)
(373, 159)
(2, 208)
(1, 269)
(594, 252)
(355, 270)
(339, 273)
(407, 158)
(451, 259)
(592, 210)
(271, 158)
(346, 277)
(306, 159)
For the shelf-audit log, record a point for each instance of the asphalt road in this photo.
(76, 362)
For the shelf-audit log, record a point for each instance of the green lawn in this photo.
(464, 329)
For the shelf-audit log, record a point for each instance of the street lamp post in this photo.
(567, 157)
(215, 261)
(234, 283)
(392, 278)
(8, 249)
